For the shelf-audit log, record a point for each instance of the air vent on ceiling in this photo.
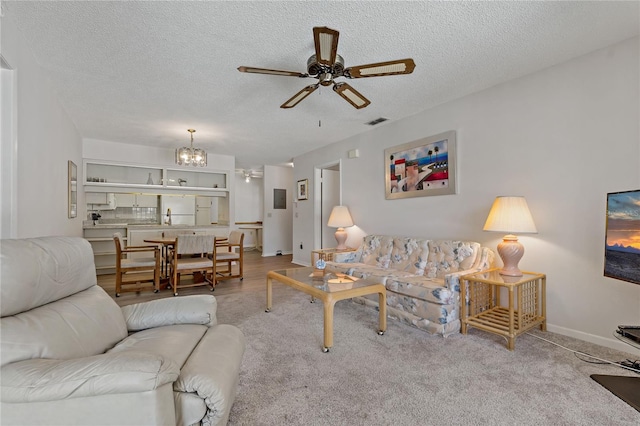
(377, 121)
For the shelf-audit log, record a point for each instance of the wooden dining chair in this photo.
(136, 265)
(173, 234)
(192, 254)
(227, 254)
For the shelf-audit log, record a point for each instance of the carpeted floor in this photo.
(407, 377)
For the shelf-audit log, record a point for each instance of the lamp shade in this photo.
(340, 217)
(511, 215)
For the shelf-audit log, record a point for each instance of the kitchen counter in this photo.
(147, 226)
(163, 227)
(105, 226)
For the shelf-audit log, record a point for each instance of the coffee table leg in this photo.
(268, 295)
(328, 325)
(382, 307)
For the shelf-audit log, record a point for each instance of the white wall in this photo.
(249, 199)
(277, 231)
(46, 139)
(562, 137)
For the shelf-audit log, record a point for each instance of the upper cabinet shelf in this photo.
(198, 179)
(110, 174)
(105, 176)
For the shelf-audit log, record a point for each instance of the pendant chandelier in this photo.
(191, 156)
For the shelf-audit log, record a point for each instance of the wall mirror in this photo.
(73, 189)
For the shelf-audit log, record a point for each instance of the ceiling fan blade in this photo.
(298, 97)
(272, 72)
(379, 69)
(351, 95)
(326, 42)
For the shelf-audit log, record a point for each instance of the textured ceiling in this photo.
(143, 72)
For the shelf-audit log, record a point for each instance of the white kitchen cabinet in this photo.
(136, 200)
(100, 200)
(125, 200)
(143, 200)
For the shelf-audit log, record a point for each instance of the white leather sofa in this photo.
(71, 356)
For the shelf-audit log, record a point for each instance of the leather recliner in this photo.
(70, 355)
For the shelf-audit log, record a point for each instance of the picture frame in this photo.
(72, 189)
(622, 251)
(421, 168)
(303, 189)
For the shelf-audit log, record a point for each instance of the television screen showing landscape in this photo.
(622, 251)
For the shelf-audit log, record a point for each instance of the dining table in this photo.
(165, 243)
(168, 242)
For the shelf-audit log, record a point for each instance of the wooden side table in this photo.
(327, 254)
(525, 310)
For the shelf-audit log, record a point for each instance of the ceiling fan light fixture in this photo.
(298, 97)
(351, 95)
(186, 156)
(326, 66)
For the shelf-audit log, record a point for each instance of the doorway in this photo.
(327, 195)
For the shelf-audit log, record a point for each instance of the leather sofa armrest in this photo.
(53, 379)
(197, 309)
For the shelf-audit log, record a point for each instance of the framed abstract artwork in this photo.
(622, 241)
(421, 168)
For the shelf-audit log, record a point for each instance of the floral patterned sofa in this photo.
(422, 276)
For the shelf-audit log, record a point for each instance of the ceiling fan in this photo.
(250, 173)
(326, 65)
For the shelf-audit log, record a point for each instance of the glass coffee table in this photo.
(329, 288)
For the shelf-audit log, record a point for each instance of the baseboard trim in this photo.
(611, 343)
(275, 254)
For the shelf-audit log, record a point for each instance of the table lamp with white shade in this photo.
(340, 218)
(510, 215)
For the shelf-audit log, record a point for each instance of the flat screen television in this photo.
(622, 249)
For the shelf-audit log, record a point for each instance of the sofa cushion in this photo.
(42, 270)
(368, 271)
(221, 349)
(174, 342)
(446, 256)
(84, 324)
(428, 289)
(409, 255)
(439, 314)
(376, 250)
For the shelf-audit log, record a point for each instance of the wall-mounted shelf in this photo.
(100, 176)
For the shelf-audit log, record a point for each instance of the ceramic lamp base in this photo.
(510, 251)
(341, 238)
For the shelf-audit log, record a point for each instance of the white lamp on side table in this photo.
(340, 218)
(511, 215)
